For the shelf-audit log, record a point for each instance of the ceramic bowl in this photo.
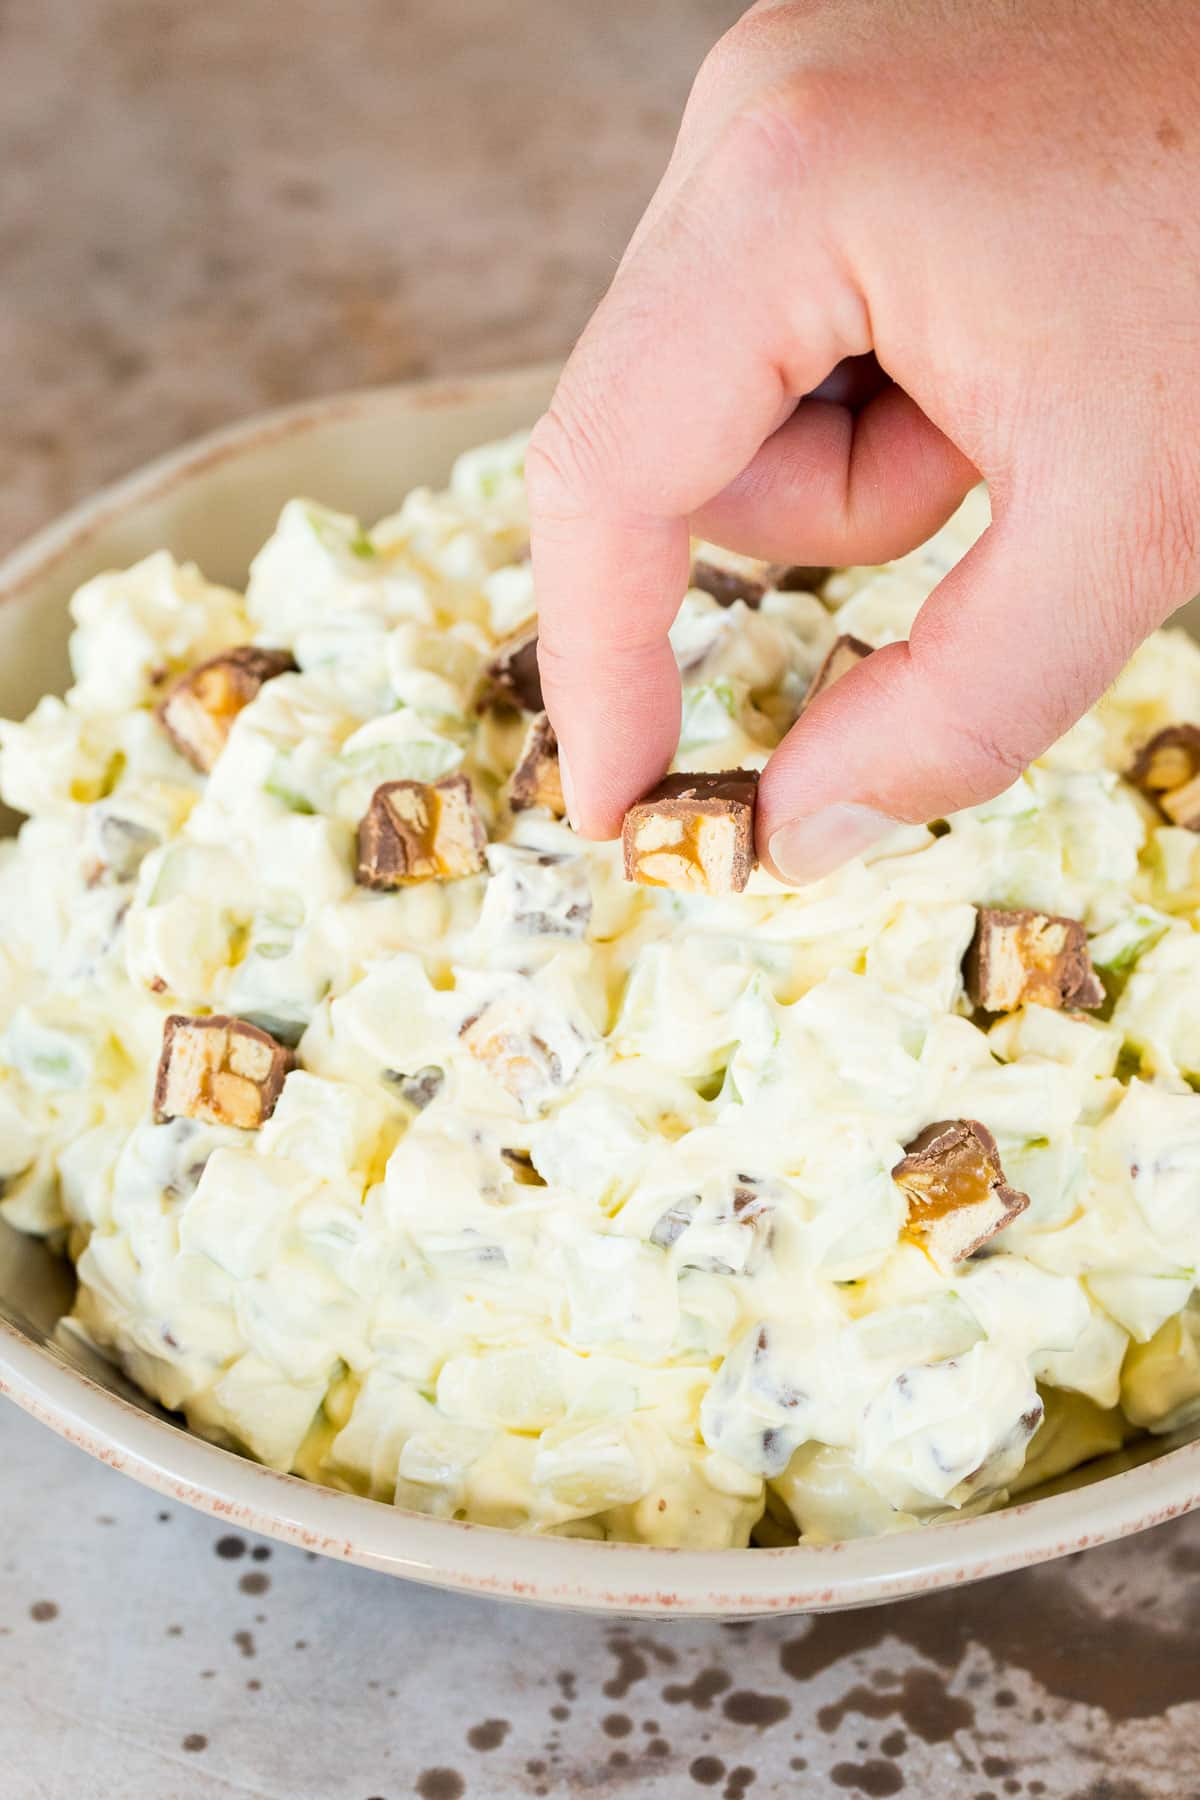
(216, 503)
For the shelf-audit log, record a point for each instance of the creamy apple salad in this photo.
(404, 1139)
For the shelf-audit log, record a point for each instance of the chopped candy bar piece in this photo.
(199, 711)
(802, 578)
(728, 577)
(695, 832)
(1167, 770)
(417, 831)
(531, 1047)
(1020, 957)
(221, 1070)
(843, 655)
(512, 676)
(732, 578)
(957, 1195)
(536, 780)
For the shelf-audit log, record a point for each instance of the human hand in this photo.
(1000, 204)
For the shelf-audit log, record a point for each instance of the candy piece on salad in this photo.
(694, 832)
(536, 780)
(420, 831)
(727, 577)
(531, 1050)
(513, 676)
(1167, 770)
(199, 711)
(221, 1070)
(844, 653)
(957, 1194)
(1020, 957)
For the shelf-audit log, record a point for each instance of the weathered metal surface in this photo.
(147, 1651)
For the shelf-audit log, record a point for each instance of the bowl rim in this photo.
(579, 1574)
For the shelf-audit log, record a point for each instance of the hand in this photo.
(999, 202)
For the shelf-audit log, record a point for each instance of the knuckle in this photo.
(1165, 536)
(567, 459)
(780, 136)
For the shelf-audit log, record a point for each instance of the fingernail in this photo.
(568, 788)
(806, 849)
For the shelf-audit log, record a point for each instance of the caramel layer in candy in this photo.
(694, 832)
(224, 1071)
(512, 676)
(536, 780)
(728, 577)
(420, 831)
(844, 653)
(957, 1195)
(200, 709)
(1167, 770)
(1020, 957)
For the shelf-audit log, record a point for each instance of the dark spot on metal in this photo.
(245, 1642)
(922, 1701)
(489, 1734)
(617, 1725)
(706, 1771)
(875, 1778)
(164, 1518)
(261, 1553)
(997, 1765)
(301, 1644)
(1074, 1655)
(619, 1759)
(174, 1630)
(1004, 1697)
(560, 1713)
(894, 1744)
(798, 1763)
(701, 1692)
(745, 1707)
(632, 1667)
(254, 1684)
(740, 1779)
(230, 1548)
(658, 1747)
(440, 1784)
(195, 1740)
(42, 1611)
(254, 1582)
(1105, 1789)
(566, 1685)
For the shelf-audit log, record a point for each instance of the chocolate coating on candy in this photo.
(1167, 770)
(198, 712)
(694, 832)
(420, 831)
(1024, 957)
(536, 780)
(957, 1195)
(843, 654)
(221, 1070)
(727, 577)
(512, 676)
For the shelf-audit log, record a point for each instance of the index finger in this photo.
(692, 360)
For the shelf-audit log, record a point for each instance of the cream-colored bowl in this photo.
(216, 503)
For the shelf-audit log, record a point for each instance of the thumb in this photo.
(1009, 650)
